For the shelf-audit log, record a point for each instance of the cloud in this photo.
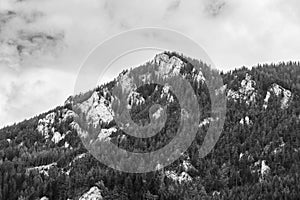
(23, 38)
(174, 5)
(214, 7)
(233, 32)
(35, 91)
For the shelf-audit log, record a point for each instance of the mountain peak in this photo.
(168, 65)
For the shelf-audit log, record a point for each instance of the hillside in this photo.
(256, 157)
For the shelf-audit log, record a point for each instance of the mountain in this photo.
(256, 157)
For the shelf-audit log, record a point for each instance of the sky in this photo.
(44, 43)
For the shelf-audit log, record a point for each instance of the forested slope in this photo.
(256, 157)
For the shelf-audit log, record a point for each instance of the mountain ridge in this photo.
(255, 150)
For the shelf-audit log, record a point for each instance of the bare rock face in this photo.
(168, 66)
(93, 194)
(96, 109)
(180, 178)
(246, 92)
(246, 121)
(45, 125)
(278, 91)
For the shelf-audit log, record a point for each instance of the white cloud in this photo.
(26, 94)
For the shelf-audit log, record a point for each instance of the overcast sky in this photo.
(43, 43)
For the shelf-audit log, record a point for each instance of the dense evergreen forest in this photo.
(256, 157)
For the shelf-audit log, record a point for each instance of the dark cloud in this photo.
(174, 5)
(109, 9)
(215, 7)
(32, 16)
(38, 43)
(6, 16)
(21, 37)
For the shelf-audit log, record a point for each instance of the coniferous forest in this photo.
(256, 157)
